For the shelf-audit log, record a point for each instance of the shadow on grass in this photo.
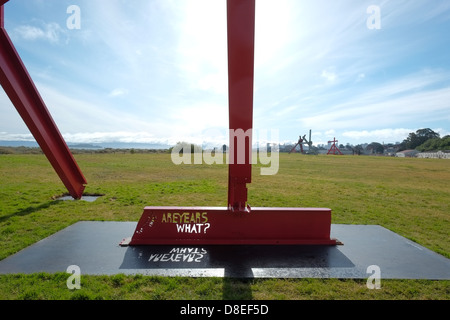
(237, 289)
(28, 210)
(237, 281)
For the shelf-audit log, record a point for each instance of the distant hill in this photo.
(84, 146)
(28, 144)
(95, 146)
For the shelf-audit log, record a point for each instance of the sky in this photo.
(155, 71)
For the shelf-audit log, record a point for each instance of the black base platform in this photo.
(94, 247)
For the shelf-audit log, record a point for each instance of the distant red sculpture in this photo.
(334, 149)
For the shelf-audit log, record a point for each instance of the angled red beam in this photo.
(24, 95)
(241, 38)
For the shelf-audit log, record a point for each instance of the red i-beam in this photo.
(24, 95)
(237, 223)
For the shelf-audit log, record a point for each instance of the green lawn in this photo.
(407, 196)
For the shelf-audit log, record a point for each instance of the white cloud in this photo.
(6, 136)
(273, 31)
(389, 135)
(428, 106)
(410, 99)
(379, 135)
(201, 47)
(87, 113)
(50, 32)
(330, 76)
(118, 92)
(111, 136)
(360, 77)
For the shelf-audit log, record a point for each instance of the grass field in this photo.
(408, 196)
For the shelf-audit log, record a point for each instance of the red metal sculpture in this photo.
(238, 223)
(334, 149)
(22, 92)
(301, 141)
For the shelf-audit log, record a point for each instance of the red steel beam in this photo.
(24, 95)
(220, 226)
(241, 37)
(237, 224)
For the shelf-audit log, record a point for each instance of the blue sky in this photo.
(156, 70)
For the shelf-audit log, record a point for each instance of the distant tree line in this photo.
(425, 140)
(186, 146)
(37, 150)
(20, 150)
(422, 140)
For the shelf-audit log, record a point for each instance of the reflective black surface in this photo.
(94, 247)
